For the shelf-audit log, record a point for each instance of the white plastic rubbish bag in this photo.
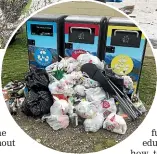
(51, 67)
(65, 85)
(63, 64)
(57, 121)
(108, 106)
(94, 124)
(88, 58)
(140, 106)
(89, 83)
(54, 87)
(73, 67)
(95, 94)
(80, 90)
(60, 107)
(115, 123)
(71, 79)
(86, 109)
(128, 83)
(66, 61)
(138, 103)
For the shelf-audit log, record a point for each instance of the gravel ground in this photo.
(72, 140)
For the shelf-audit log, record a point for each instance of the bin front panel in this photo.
(129, 43)
(42, 43)
(81, 36)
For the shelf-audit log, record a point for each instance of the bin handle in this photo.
(71, 28)
(128, 31)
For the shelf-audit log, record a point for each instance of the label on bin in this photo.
(78, 52)
(43, 57)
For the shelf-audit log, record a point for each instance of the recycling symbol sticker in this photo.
(43, 57)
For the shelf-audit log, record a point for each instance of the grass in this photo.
(15, 65)
(27, 7)
(147, 86)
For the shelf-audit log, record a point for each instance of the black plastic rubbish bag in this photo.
(37, 103)
(37, 79)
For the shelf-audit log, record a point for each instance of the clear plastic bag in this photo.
(86, 109)
(94, 124)
(66, 84)
(88, 58)
(95, 94)
(128, 83)
(59, 107)
(57, 121)
(140, 106)
(115, 123)
(73, 67)
(54, 88)
(138, 103)
(71, 79)
(89, 83)
(66, 61)
(80, 90)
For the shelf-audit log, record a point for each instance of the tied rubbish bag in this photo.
(37, 103)
(37, 79)
(95, 94)
(138, 103)
(80, 90)
(128, 83)
(89, 83)
(108, 106)
(86, 109)
(57, 121)
(94, 124)
(88, 58)
(60, 107)
(115, 123)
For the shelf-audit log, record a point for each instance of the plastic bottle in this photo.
(74, 119)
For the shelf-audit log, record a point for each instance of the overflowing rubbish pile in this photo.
(77, 90)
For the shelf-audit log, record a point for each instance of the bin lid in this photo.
(46, 17)
(84, 18)
(121, 21)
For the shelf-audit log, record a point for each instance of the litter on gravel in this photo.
(62, 95)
